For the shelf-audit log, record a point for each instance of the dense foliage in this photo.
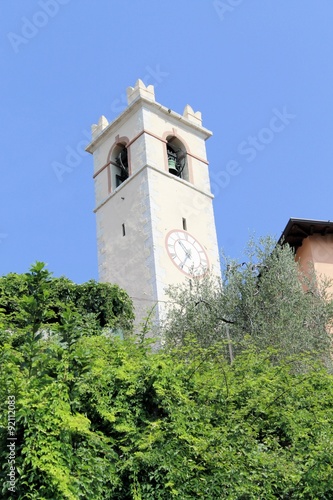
(99, 417)
(37, 296)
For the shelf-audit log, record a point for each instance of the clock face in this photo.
(186, 253)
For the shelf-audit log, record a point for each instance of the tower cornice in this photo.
(119, 188)
(141, 103)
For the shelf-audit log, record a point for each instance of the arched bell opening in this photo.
(119, 165)
(177, 160)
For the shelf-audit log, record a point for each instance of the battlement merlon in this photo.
(140, 90)
(146, 94)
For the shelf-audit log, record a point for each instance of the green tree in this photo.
(99, 417)
(102, 305)
(266, 300)
(42, 321)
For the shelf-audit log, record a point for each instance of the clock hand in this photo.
(183, 246)
(183, 263)
(187, 252)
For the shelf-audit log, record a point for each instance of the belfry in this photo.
(154, 211)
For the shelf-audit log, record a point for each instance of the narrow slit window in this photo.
(184, 224)
(124, 229)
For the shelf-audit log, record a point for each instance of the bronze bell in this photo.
(172, 166)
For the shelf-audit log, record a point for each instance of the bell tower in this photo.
(154, 212)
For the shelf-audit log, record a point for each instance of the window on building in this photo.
(177, 159)
(119, 165)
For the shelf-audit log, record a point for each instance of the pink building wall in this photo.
(317, 251)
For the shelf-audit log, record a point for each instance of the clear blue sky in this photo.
(243, 64)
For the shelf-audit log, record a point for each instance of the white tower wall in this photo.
(135, 218)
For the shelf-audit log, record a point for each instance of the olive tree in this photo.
(266, 301)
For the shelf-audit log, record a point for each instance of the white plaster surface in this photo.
(151, 202)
